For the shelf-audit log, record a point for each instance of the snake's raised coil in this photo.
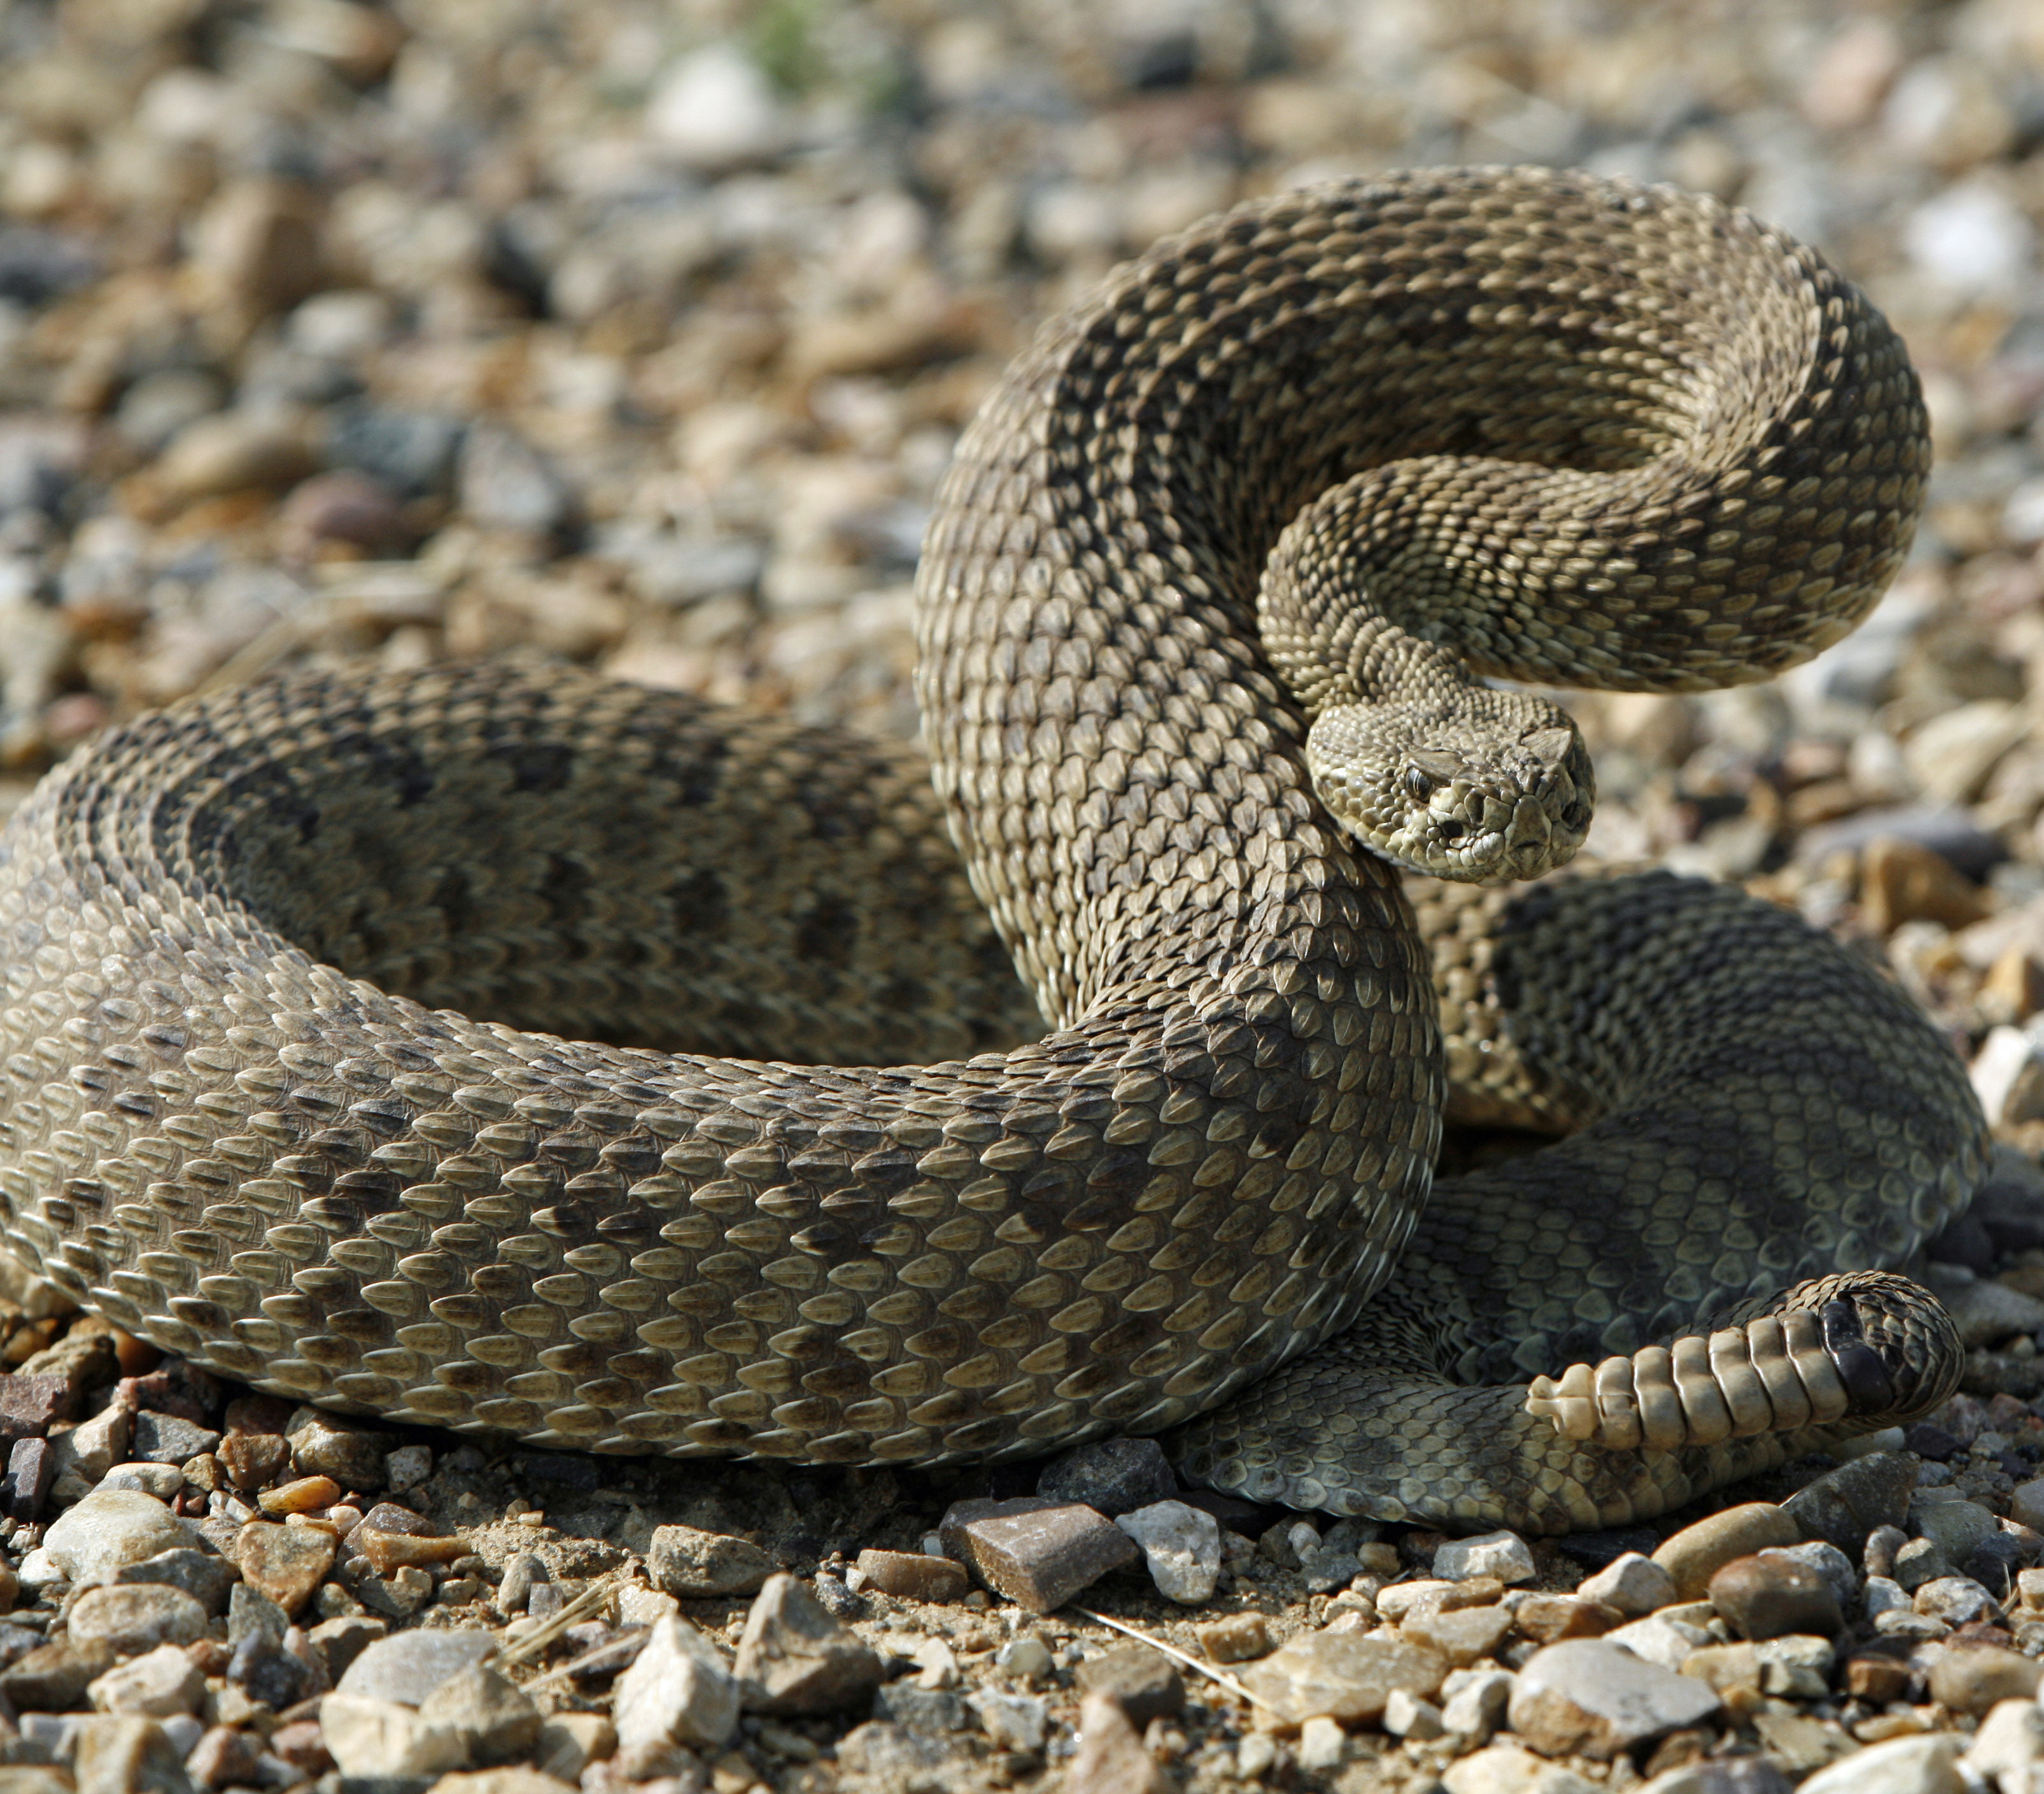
(302, 981)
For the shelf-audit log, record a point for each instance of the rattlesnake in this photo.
(300, 979)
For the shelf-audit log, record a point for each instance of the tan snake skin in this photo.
(302, 981)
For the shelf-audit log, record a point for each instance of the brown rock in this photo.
(1769, 1595)
(345, 508)
(1038, 1554)
(255, 249)
(1877, 1680)
(286, 1563)
(1235, 1639)
(1548, 1619)
(1901, 881)
(388, 1551)
(252, 1459)
(1461, 1635)
(126, 1754)
(914, 1576)
(1110, 1758)
(1341, 1676)
(1698, 1552)
(27, 1405)
(1143, 1683)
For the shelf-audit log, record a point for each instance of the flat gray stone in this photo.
(1845, 1505)
(132, 1620)
(207, 1579)
(407, 1668)
(1037, 1553)
(1590, 1698)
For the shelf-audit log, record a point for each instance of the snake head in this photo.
(1493, 787)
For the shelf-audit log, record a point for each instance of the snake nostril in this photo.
(1451, 829)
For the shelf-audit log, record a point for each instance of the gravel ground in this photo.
(639, 335)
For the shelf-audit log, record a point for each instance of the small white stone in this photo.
(1322, 1743)
(1476, 1701)
(1883, 1594)
(936, 1665)
(1027, 1658)
(1504, 1555)
(715, 108)
(1182, 1544)
(1635, 1585)
(1406, 1715)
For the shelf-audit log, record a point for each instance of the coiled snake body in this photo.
(302, 981)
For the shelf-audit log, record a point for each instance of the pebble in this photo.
(1767, 1595)
(679, 1690)
(495, 1720)
(137, 1618)
(1548, 1619)
(522, 1572)
(569, 1742)
(1182, 1545)
(1971, 1678)
(1014, 1722)
(158, 1684)
(125, 1754)
(1235, 1639)
(249, 1612)
(408, 1465)
(1474, 1702)
(1660, 1638)
(1699, 1551)
(1405, 1715)
(2010, 1738)
(1829, 1562)
(91, 1540)
(795, 1657)
(167, 1438)
(1503, 1555)
(252, 1459)
(1113, 1476)
(163, 1481)
(1144, 1683)
(920, 1709)
(55, 1677)
(1955, 1528)
(914, 1575)
(1957, 1601)
(408, 1667)
(287, 1563)
(691, 1564)
(380, 1738)
(1027, 1658)
(1461, 1635)
(1901, 1765)
(324, 1444)
(1588, 1696)
(1038, 1554)
(1635, 1585)
(1343, 1676)
(1110, 1758)
(1920, 1562)
(206, 1578)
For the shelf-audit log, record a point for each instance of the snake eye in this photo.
(1418, 785)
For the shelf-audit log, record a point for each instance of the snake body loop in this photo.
(303, 983)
